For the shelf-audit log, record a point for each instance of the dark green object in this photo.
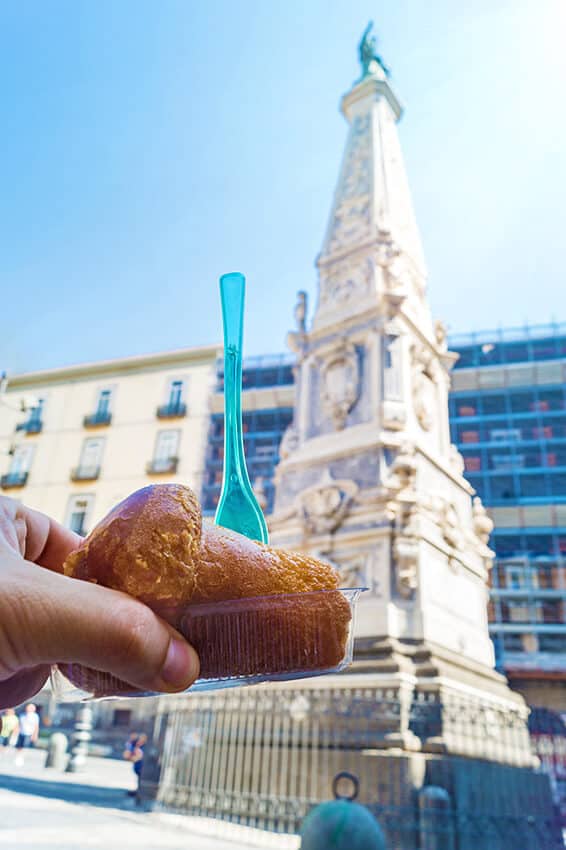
(341, 824)
(368, 54)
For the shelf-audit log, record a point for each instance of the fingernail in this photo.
(181, 665)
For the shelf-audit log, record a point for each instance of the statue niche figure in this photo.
(368, 53)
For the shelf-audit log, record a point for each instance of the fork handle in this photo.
(232, 293)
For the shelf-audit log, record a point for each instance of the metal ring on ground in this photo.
(344, 774)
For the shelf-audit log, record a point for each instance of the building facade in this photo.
(75, 441)
(508, 420)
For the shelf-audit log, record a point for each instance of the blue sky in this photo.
(148, 147)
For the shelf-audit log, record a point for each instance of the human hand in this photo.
(47, 618)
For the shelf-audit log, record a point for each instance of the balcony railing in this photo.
(32, 426)
(162, 466)
(171, 411)
(13, 480)
(97, 420)
(85, 473)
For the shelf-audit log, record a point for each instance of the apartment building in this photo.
(76, 440)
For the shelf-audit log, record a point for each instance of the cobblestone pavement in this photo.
(44, 809)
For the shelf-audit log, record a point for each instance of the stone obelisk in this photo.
(368, 478)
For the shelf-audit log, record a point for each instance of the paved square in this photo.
(44, 809)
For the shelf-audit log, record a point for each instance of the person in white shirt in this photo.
(29, 727)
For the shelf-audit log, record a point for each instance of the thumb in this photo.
(47, 618)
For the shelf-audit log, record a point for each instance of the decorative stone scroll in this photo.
(340, 383)
(483, 525)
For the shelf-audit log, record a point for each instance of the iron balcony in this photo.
(13, 480)
(171, 411)
(85, 473)
(32, 426)
(162, 466)
(97, 420)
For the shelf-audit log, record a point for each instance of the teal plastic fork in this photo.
(238, 507)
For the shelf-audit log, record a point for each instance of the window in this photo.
(91, 454)
(516, 612)
(520, 576)
(521, 401)
(533, 486)
(543, 349)
(503, 487)
(21, 460)
(504, 435)
(550, 400)
(516, 352)
(467, 357)
(78, 513)
(166, 448)
(501, 460)
(552, 611)
(103, 403)
(540, 545)
(552, 643)
(556, 455)
(513, 643)
(467, 407)
(558, 485)
(121, 717)
(469, 436)
(472, 463)
(494, 405)
(508, 545)
(176, 393)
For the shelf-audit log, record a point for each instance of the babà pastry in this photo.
(206, 580)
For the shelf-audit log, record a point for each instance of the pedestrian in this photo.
(134, 752)
(9, 727)
(29, 730)
(46, 618)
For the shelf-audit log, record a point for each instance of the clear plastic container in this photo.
(244, 642)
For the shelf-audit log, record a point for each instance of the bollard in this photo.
(436, 824)
(82, 736)
(56, 751)
(341, 824)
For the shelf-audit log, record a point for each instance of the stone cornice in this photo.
(125, 365)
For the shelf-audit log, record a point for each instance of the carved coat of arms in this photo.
(340, 388)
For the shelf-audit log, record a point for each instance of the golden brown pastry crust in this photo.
(154, 547)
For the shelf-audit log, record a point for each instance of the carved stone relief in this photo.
(340, 383)
(323, 508)
(451, 527)
(403, 471)
(352, 212)
(344, 283)
(406, 551)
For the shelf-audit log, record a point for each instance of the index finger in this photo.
(47, 542)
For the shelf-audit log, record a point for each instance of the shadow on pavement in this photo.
(70, 792)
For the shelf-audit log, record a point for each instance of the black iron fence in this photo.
(263, 757)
